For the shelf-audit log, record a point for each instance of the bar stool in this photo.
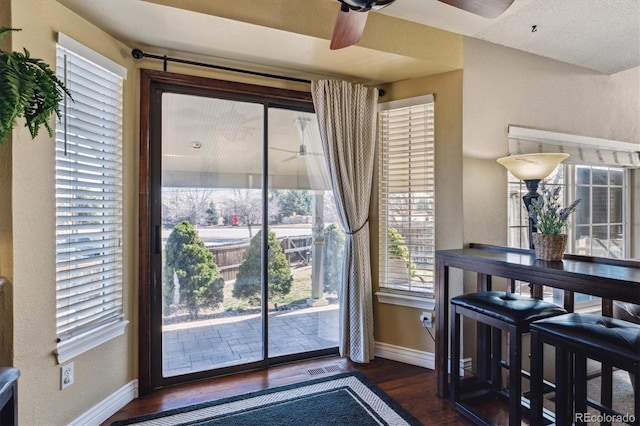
(501, 311)
(578, 337)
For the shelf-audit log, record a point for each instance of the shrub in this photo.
(200, 282)
(247, 285)
(398, 249)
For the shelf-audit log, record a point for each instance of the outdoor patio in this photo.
(214, 343)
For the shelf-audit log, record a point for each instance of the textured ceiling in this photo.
(601, 35)
(410, 38)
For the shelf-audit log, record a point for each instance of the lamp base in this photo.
(532, 187)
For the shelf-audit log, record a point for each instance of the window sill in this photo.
(424, 301)
(82, 343)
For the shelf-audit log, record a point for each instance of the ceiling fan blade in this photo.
(485, 8)
(348, 29)
(283, 150)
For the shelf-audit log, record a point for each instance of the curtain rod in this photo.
(139, 54)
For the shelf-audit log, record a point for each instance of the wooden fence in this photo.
(229, 257)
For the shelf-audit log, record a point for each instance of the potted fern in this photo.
(30, 89)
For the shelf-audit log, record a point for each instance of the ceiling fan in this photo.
(301, 124)
(300, 153)
(353, 16)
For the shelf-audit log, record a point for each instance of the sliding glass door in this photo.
(212, 151)
(302, 292)
(247, 261)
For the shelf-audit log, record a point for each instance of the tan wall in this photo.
(504, 86)
(399, 325)
(103, 370)
(6, 234)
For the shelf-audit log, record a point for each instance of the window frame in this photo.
(569, 191)
(399, 294)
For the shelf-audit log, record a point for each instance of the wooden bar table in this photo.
(610, 279)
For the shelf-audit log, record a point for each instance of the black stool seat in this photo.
(594, 332)
(507, 307)
(496, 311)
(578, 337)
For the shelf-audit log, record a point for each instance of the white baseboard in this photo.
(117, 400)
(109, 406)
(414, 357)
(406, 355)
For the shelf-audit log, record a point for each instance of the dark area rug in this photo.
(341, 399)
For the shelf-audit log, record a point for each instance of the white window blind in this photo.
(88, 191)
(407, 195)
(581, 149)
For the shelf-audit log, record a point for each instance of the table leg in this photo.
(483, 334)
(442, 328)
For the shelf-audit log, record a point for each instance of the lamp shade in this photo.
(532, 166)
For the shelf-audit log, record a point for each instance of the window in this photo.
(599, 223)
(88, 191)
(596, 228)
(407, 197)
(598, 172)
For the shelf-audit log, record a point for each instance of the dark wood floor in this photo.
(413, 387)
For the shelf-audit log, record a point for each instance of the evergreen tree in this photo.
(247, 285)
(298, 202)
(333, 258)
(212, 214)
(200, 282)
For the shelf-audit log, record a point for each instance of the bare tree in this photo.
(173, 207)
(247, 205)
(189, 204)
(197, 200)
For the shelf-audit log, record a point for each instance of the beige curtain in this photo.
(346, 116)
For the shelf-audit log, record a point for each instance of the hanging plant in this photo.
(29, 88)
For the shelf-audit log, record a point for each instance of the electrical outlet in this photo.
(66, 376)
(426, 318)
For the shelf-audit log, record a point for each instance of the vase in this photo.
(549, 247)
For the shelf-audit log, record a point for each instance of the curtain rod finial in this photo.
(381, 92)
(137, 53)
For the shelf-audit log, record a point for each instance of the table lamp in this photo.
(532, 168)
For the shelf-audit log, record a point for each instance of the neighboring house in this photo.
(490, 88)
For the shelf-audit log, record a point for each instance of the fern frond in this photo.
(4, 30)
(29, 88)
